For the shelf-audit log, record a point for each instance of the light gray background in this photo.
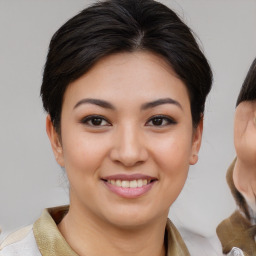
(30, 180)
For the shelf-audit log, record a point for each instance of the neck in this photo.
(89, 236)
(244, 178)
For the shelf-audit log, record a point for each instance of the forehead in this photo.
(128, 76)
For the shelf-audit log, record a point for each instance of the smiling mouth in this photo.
(130, 183)
(129, 186)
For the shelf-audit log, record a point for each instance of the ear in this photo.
(196, 142)
(55, 141)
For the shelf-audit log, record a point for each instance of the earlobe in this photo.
(55, 141)
(196, 142)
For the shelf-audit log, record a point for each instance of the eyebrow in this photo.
(145, 106)
(101, 103)
(158, 102)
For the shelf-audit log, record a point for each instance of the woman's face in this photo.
(126, 139)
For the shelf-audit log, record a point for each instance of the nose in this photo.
(129, 148)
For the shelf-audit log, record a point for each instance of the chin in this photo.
(128, 223)
(133, 218)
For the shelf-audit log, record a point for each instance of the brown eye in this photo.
(160, 121)
(157, 121)
(95, 121)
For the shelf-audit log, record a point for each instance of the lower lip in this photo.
(130, 192)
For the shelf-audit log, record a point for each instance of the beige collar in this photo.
(51, 243)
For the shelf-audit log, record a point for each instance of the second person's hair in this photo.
(248, 89)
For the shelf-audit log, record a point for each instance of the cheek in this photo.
(83, 154)
(173, 153)
(173, 162)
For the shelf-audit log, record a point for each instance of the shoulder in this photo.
(237, 232)
(20, 243)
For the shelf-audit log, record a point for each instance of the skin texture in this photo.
(128, 140)
(244, 174)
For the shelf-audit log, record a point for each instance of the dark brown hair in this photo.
(114, 26)
(248, 89)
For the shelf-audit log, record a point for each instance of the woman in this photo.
(124, 87)
(238, 232)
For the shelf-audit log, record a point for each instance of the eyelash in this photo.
(168, 121)
(88, 120)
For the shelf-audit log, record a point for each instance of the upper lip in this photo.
(129, 177)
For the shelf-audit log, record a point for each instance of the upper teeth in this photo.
(129, 183)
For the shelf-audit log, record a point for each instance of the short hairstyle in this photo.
(114, 26)
(248, 89)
